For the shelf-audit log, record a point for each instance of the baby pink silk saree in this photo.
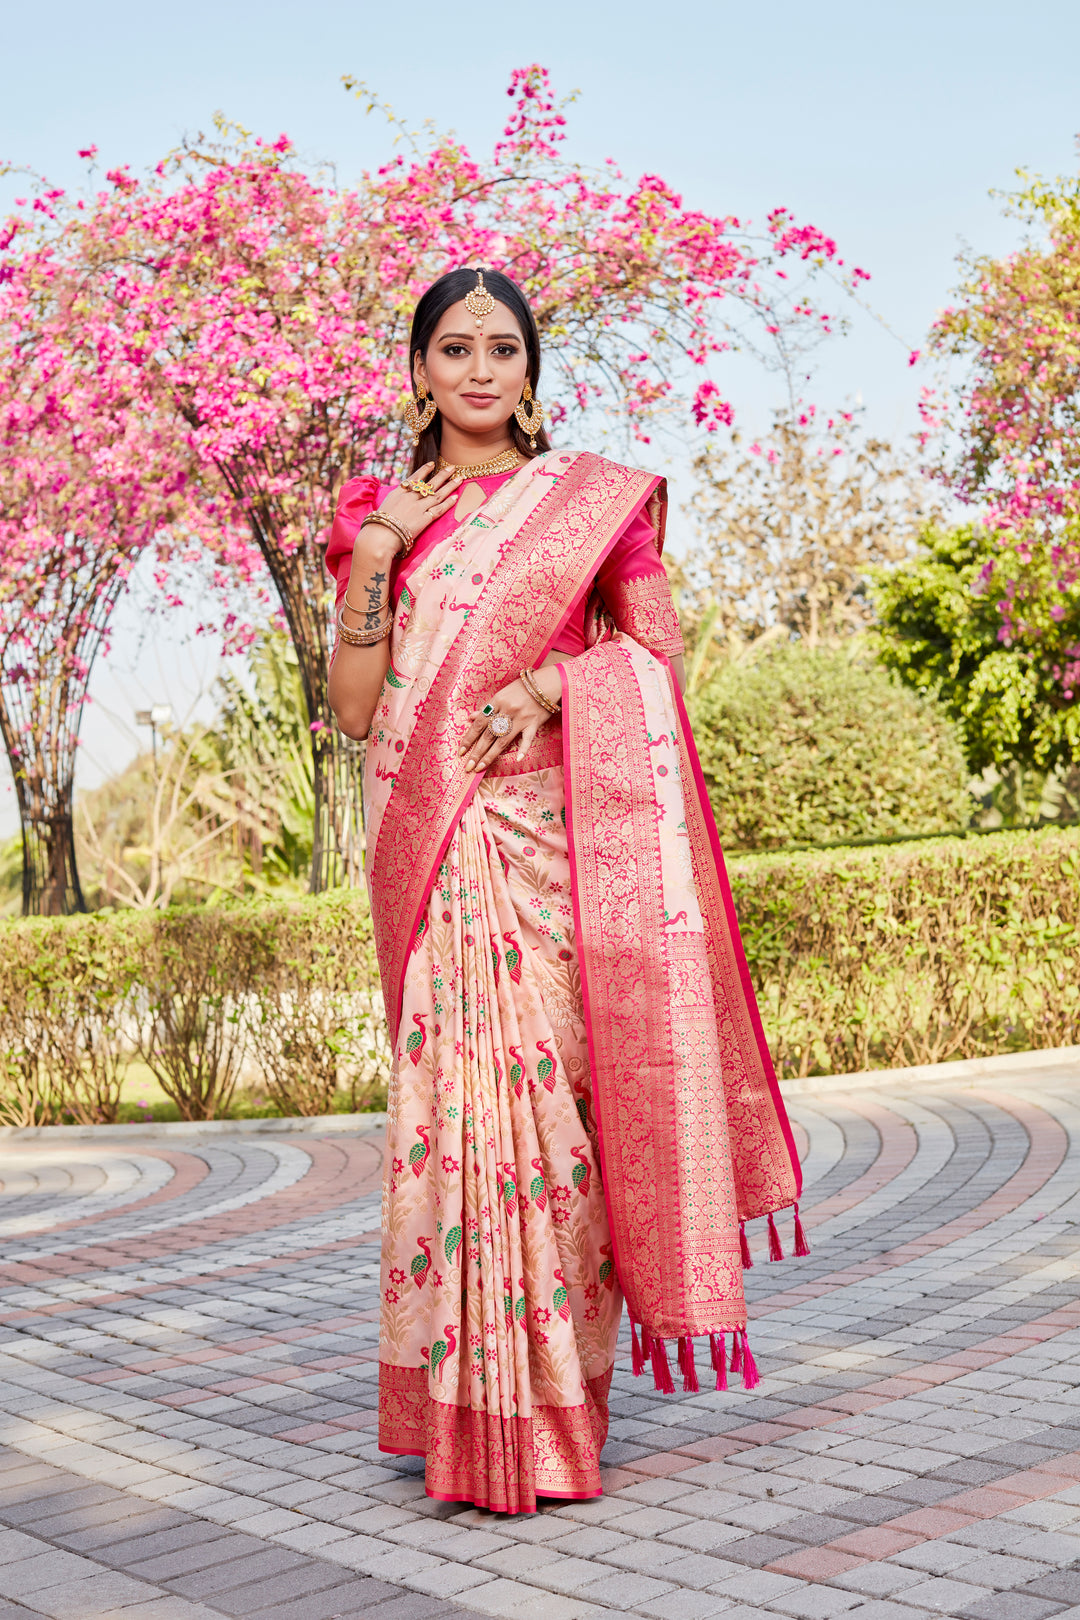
(583, 1106)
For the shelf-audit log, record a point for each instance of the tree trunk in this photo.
(51, 885)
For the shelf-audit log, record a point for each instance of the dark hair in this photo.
(451, 289)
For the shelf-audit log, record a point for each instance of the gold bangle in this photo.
(363, 638)
(363, 612)
(527, 677)
(391, 523)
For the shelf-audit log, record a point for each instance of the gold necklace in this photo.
(505, 461)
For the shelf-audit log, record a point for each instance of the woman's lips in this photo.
(481, 399)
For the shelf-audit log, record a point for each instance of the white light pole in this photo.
(159, 715)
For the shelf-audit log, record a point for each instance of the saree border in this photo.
(617, 1038)
(555, 1452)
(561, 542)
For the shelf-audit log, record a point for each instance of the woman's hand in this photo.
(479, 744)
(415, 512)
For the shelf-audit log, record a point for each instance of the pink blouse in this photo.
(631, 582)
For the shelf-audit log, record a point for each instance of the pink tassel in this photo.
(747, 1257)
(801, 1245)
(750, 1378)
(688, 1367)
(637, 1359)
(716, 1346)
(776, 1251)
(736, 1352)
(661, 1368)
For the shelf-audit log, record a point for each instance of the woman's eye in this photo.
(454, 349)
(507, 350)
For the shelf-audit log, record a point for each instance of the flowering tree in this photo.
(87, 481)
(1015, 421)
(269, 313)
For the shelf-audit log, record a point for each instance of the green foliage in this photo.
(822, 745)
(11, 876)
(862, 958)
(916, 953)
(286, 994)
(940, 629)
(265, 736)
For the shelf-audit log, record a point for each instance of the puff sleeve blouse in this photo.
(631, 582)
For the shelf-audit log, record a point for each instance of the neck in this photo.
(466, 449)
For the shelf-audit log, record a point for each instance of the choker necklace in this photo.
(505, 461)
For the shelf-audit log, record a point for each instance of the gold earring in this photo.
(530, 420)
(417, 421)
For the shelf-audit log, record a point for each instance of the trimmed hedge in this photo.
(863, 958)
(914, 953)
(287, 993)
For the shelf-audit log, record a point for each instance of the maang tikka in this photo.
(479, 302)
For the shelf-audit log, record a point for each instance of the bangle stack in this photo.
(391, 523)
(527, 677)
(363, 638)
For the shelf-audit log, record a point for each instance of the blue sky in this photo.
(885, 124)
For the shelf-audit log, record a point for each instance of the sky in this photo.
(888, 125)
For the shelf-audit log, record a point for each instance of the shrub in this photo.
(914, 953)
(862, 958)
(65, 988)
(289, 989)
(818, 746)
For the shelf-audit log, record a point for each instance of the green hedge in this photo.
(863, 958)
(914, 953)
(286, 994)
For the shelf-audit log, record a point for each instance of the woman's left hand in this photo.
(480, 746)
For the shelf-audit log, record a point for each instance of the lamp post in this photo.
(160, 714)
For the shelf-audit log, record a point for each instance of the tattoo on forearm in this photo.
(375, 601)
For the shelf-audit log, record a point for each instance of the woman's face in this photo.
(475, 377)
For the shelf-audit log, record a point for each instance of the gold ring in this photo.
(420, 487)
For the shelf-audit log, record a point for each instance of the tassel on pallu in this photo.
(646, 1349)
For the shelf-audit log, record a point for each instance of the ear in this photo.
(419, 370)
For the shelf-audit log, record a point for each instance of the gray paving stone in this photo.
(944, 1595)
(1011, 1606)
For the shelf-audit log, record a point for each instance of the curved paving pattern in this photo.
(188, 1364)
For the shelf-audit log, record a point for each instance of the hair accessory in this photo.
(392, 523)
(479, 302)
(363, 638)
(529, 415)
(419, 420)
(505, 461)
(527, 677)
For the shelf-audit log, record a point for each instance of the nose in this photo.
(481, 372)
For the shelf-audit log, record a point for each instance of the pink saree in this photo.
(583, 1107)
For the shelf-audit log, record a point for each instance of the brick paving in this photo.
(188, 1374)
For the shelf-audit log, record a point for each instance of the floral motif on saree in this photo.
(583, 1105)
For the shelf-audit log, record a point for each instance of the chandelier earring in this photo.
(419, 413)
(529, 415)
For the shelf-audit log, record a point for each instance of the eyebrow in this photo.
(494, 337)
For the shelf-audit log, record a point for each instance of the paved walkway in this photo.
(188, 1386)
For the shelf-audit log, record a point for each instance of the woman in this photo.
(583, 1106)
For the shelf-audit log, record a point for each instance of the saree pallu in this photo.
(583, 1106)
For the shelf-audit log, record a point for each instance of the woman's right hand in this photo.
(415, 512)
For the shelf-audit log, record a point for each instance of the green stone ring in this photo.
(489, 708)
